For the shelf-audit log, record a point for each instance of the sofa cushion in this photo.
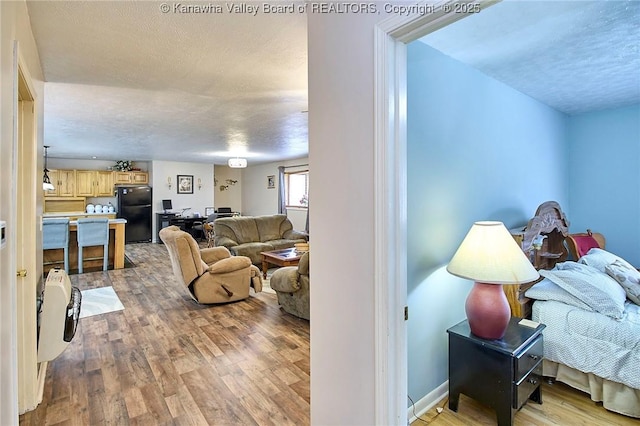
(230, 264)
(252, 251)
(281, 244)
(269, 226)
(239, 229)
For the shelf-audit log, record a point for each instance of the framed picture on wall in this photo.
(185, 184)
(271, 182)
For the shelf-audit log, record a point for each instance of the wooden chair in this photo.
(580, 244)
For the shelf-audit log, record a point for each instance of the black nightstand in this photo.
(502, 374)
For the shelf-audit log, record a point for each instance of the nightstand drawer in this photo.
(529, 357)
(527, 385)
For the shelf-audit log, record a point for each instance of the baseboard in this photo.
(427, 402)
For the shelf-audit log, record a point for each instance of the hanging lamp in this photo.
(46, 182)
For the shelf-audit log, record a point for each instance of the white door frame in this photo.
(390, 167)
(27, 225)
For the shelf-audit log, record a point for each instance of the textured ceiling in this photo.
(127, 81)
(575, 56)
(124, 80)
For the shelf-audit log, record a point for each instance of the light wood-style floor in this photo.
(561, 405)
(164, 360)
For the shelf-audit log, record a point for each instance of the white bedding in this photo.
(592, 342)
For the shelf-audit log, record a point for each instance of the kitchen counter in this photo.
(76, 215)
(92, 255)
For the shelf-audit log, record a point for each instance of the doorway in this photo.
(27, 188)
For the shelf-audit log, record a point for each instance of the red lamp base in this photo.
(488, 311)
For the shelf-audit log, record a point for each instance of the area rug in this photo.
(266, 287)
(98, 301)
(266, 283)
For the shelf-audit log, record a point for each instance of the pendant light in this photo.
(46, 182)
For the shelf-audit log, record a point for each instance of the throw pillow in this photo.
(629, 279)
(599, 259)
(598, 290)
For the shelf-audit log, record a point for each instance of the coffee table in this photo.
(283, 257)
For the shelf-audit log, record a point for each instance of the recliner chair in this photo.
(291, 284)
(212, 275)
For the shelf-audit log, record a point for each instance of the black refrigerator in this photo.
(134, 204)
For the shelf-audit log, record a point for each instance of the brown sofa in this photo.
(212, 275)
(251, 235)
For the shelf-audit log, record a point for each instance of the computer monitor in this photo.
(166, 205)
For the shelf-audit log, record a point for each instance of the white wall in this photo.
(14, 26)
(198, 201)
(258, 200)
(341, 135)
(232, 195)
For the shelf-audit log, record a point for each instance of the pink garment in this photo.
(584, 243)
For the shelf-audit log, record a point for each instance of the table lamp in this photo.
(491, 257)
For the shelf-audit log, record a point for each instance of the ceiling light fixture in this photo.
(237, 163)
(46, 182)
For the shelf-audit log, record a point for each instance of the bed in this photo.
(592, 315)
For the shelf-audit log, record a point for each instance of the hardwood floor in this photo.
(561, 405)
(165, 360)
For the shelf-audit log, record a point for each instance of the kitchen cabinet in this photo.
(64, 182)
(131, 178)
(94, 183)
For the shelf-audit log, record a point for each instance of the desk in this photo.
(186, 223)
(116, 249)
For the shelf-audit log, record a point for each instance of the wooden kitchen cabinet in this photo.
(94, 183)
(64, 182)
(131, 178)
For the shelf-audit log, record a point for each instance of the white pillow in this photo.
(600, 259)
(629, 279)
(548, 290)
(598, 290)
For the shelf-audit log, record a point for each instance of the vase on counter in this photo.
(90, 208)
(98, 208)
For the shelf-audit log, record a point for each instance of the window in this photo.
(297, 189)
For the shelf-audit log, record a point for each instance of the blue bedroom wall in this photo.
(477, 150)
(604, 178)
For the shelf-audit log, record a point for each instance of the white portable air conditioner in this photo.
(59, 315)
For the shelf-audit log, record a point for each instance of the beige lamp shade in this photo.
(489, 254)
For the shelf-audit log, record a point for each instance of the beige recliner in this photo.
(291, 284)
(212, 275)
